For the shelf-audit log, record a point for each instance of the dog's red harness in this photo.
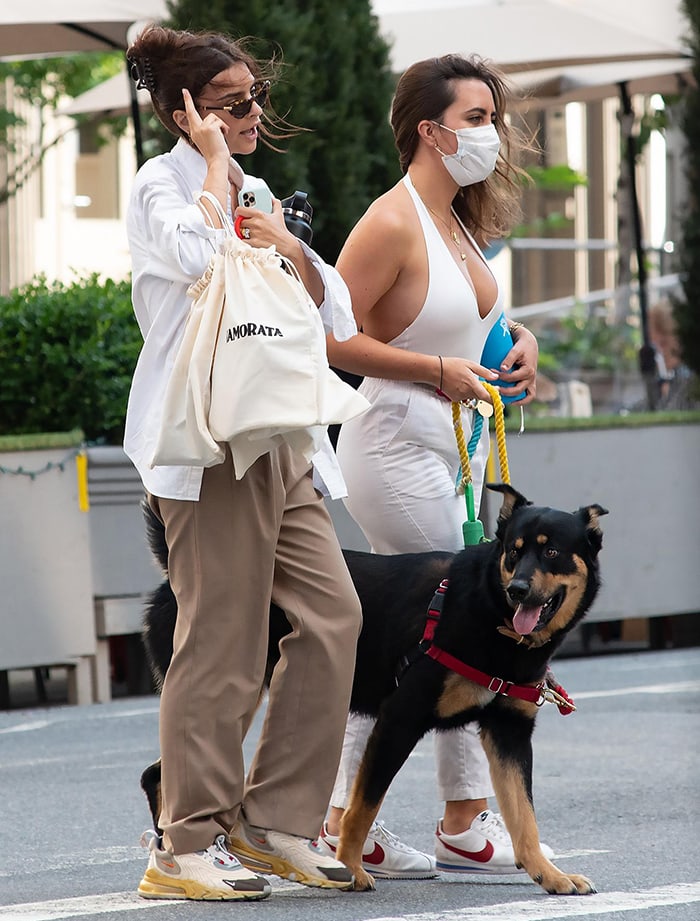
(545, 691)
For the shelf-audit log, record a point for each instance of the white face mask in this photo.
(476, 155)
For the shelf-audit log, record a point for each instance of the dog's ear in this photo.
(512, 500)
(590, 515)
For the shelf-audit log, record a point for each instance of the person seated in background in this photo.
(674, 376)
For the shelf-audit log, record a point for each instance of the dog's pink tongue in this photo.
(525, 619)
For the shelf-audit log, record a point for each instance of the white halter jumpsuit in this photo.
(400, 462)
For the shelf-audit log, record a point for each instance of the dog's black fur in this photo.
(508, 606)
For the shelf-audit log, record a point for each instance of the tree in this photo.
(335, 81)
(687, 311)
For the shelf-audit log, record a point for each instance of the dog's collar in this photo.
(545, 691)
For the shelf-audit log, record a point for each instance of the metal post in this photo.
(136, 120)
(647, 358)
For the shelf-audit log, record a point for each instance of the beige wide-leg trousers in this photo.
(245, 541)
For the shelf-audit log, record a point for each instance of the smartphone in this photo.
(255, 194)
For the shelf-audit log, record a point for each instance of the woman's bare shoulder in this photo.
(388, 217)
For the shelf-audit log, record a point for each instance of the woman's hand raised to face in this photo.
(207, 134)
(209, 137)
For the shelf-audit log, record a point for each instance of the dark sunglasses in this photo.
(258, 93)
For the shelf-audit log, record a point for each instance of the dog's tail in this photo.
(161, 606)
(155, 534)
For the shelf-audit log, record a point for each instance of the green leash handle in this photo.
(472, 529)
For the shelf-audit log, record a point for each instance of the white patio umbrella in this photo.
(45, 28)
(519, 34)
(592, 82)
(112, 97)
(40, 28)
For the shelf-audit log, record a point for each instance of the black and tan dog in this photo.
(506, 605)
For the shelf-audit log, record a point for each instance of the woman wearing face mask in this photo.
(425, 300)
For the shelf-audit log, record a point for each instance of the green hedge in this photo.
(41, 440)
(628, 421)
(67, 354)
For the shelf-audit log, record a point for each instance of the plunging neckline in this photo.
(471, 242)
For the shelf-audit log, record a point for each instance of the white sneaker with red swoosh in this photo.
(386, 856)
(485, 847)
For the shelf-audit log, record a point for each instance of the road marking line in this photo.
(535, 909)
(679, 687)
(585, 852)
(557, 907)
(26, 727)
(83, 905)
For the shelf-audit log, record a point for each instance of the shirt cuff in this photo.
(336, 308)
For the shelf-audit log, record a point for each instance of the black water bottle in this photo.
(297, 216)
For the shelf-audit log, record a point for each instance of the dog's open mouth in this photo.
(531, 618)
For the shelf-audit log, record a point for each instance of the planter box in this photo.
(71, 579)
(123, 570)
(643, 469)
(46, 610)
(121, 561)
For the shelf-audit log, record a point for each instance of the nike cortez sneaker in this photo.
(485, 847)
(386, 856)
(209, 875)
(297, 859)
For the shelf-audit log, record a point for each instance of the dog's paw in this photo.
(584, 886)
(562, 884)
(363, 881)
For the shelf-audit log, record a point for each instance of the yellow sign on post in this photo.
(81, 463)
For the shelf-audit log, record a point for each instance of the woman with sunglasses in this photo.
(234, 545)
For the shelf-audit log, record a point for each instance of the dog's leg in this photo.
(150, 784)
(508, 747)
(395, 735)
(354, 827)
(385, 754)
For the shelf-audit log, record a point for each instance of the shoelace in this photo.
(220, 855)
(494, 826)
(379, 830)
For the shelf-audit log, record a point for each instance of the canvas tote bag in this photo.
(253, 371)
(184, 437)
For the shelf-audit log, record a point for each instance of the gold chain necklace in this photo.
(454, 236)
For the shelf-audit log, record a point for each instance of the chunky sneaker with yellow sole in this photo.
(485, 847)
(297, 859)
(385, 856)
(209, 875)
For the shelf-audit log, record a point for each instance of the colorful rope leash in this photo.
(473, 529)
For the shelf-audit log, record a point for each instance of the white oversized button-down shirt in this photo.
(171, 245)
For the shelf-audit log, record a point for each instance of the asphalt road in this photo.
(617, 796)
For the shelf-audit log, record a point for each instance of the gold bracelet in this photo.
(513, 325)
